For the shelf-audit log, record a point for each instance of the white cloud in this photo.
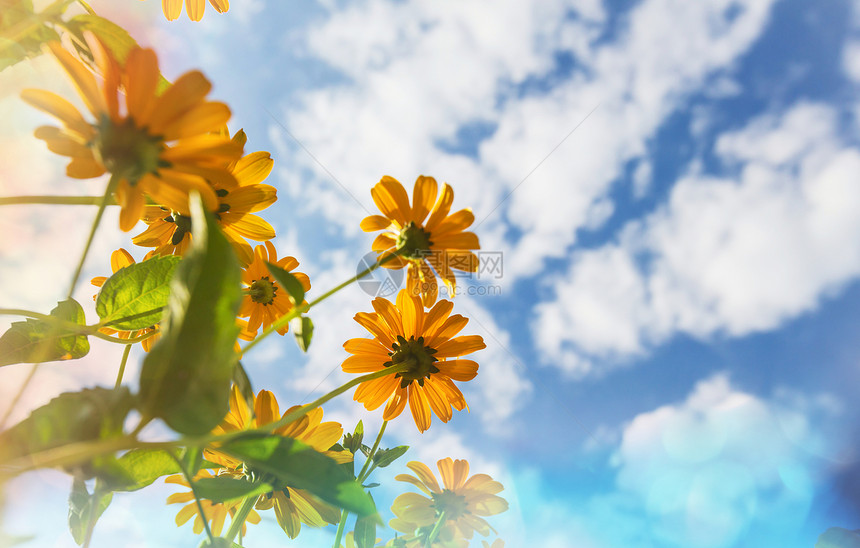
(729, 255)
(706, 468)
(714, 470)
(419, 72)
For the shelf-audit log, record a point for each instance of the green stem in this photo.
(305, 409)
(340, 527)
(240, 517)
(190, 481)
(54, 200)
(435, 532)
(299, 310)
(74, 328)
(111, 186)
(75, 453)
(125, 352)
(360, 478)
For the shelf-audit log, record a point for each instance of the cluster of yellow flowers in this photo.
(160, 144)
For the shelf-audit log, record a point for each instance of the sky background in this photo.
(672, 186)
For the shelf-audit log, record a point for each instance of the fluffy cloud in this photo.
(721, 468)
(705, 470)
(730, 254)
(418, 74)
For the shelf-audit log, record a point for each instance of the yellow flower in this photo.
(214, 512)
(266, 300)
(462, 499)
(498, 543)
(170, 231)
(194, 8)
(405, 334)
(120, 259)
(292, 506)
(156, 145)
(439, 242)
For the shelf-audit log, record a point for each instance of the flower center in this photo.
(451, 503)
(263, 291)
(417, 357)
(413, 242)
(183, 227)
(127, 150)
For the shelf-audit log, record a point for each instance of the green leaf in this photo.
(386, 456)
(352, 442)
(115, 38)
(89, 415)
(303, 329)
(837, 537)
(290, 283)
(298, 465)
(243, 383)
(185, 378)
(18, 39)
(224, 488)
(142, 467)
(35, 341)
(364, 533)
(135, 296)
(84, 508)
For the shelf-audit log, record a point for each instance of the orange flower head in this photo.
(292, 506)
(424, 344)
(265, 300)
(213, 512)
(160, 145)
(429, 246)
(169, 232)
(463, 500)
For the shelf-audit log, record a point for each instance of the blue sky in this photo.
(672, 352)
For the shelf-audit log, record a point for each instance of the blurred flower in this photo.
(120, 259)
(170, 231)
(194, 8)
(405, 334)
(156, 145)
(460, 502)
(498, 543)
(265, 300)
(441, 242)
(215, 512)
(292, 506)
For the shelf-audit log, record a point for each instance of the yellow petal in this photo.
(188, 90)
(82, 78)
(253, 168)
(58, 107)
(456, 222)
(141, 72)
(459, 370)
(374, 223)
(423, 196)
(441, 209)
(460, 346)
(171, 9)
(420, 407)
(425, 475)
